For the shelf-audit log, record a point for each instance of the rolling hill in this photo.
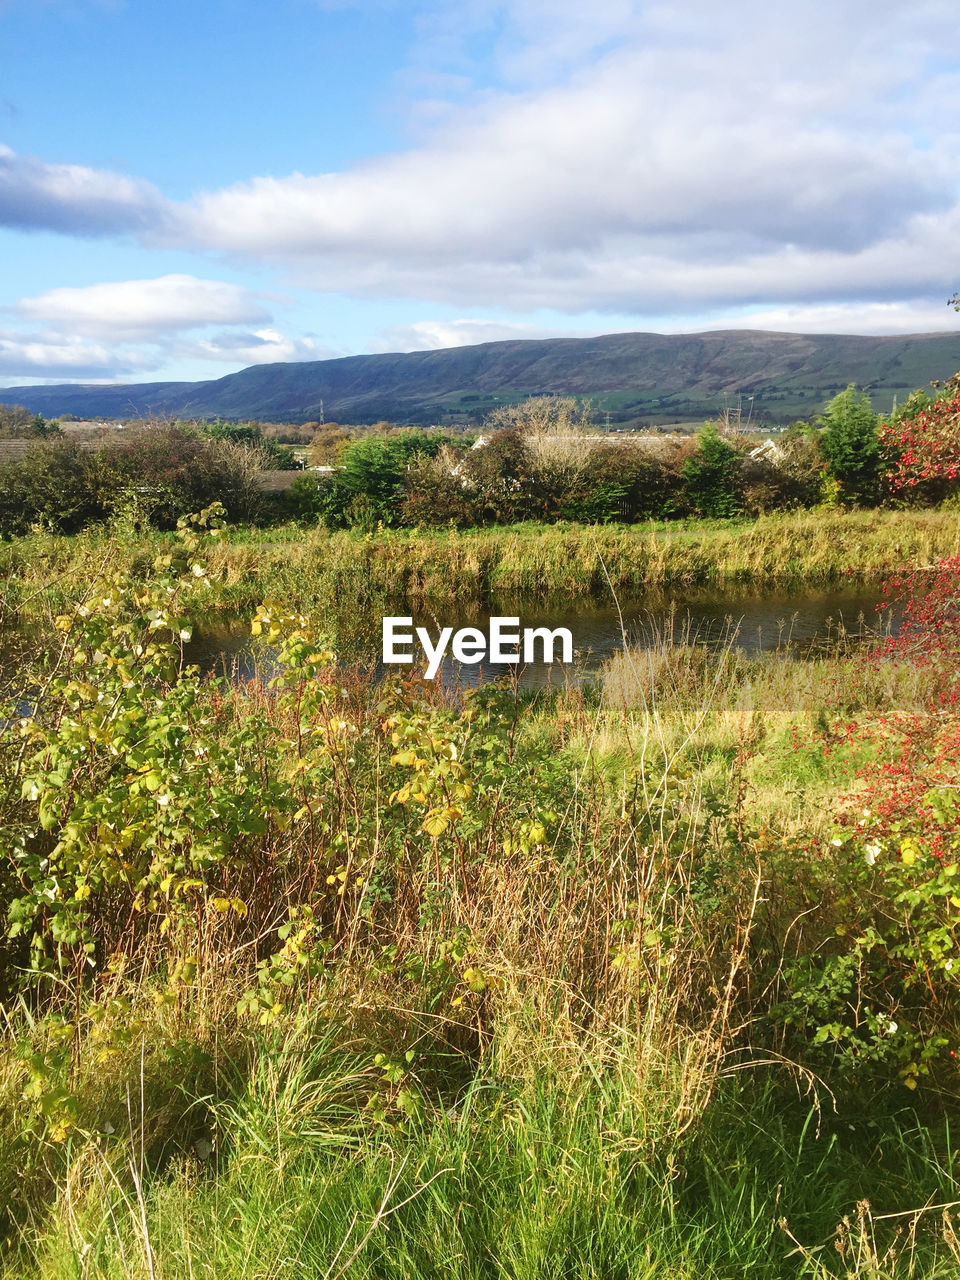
(632, 377)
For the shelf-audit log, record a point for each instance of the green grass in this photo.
(530, 563)
(542, 1147)
(579, 1170)
(561, 1058)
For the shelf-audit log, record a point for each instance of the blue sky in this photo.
(189, 188)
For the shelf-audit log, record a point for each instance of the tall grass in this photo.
(536, 563)
(539, 1041)
(576, 1169)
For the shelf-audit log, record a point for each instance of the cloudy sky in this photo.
(190, 187)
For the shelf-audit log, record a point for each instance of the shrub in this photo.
(327, 444)
(319, 499)
(172, 469)
(437, 492)
(885, 992)
(275, 456)
(375, 469)
(850, 446)
(289, 433)
(920, 447)
(620, 483)
(711, 476)
(788, 475)
(555, 432)
(154, 474)
(18, 423)
(56, 485)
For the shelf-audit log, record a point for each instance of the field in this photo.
(307, 976)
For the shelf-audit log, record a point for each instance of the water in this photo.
(755, 621)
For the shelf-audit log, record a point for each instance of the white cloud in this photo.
(75, 199)
(655, 158)
(665, 276)
(130, 327)
(142, 308)
(741, 154)
(851, 317)
(35, 356)
(263, 346)
(573, 169)
(908, 316)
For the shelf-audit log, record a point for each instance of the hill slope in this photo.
(632, 376)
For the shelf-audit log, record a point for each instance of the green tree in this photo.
(850, 447)
(375, 469)
(18, 423)
(239, 432)
(711, 475)
(56, 485)
(322, 499)
(276, 457)
(437, 493)
(620, 483)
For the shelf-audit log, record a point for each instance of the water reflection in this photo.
(756, 622)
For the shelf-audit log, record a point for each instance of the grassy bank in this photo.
(326, 979)
(515, 1052)
(532, 563)
(576, 1165)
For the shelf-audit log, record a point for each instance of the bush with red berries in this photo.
(883, 991)
(921, 448)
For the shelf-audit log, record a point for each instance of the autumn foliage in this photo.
(921, 448)
(895, 980)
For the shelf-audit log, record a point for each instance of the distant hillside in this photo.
(633, 377)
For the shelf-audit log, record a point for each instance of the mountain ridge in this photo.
(630, 377)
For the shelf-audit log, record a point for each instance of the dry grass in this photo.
(311, 567)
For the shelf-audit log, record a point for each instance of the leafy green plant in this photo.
(711, 475)
(134, 804)
(374, 470)
(850, 445)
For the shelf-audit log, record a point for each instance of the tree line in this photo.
(543, 460)
(539, 460)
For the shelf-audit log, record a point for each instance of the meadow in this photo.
(308, 976)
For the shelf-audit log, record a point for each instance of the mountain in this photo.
(632, 377)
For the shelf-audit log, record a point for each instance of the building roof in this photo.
(276, 481)
(13, 450)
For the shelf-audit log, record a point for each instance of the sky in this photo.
(191, 187)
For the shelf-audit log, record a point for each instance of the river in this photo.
(755, 621)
